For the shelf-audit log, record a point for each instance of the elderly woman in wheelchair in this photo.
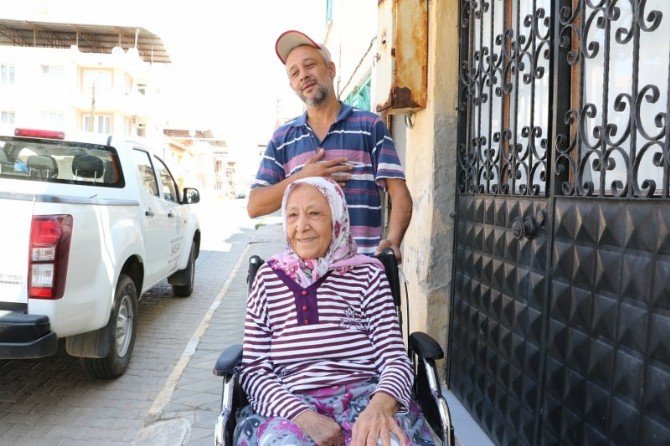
(323, 359)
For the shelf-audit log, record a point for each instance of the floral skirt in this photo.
(341, 403)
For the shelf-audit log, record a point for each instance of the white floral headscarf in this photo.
(342, 252)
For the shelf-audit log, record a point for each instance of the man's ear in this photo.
(331, 69)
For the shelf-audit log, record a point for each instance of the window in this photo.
(360, 97)
(127, 127)
(505, 128)
(7, 75)
(56, 161)
(52, 119)
(52, 74)
(94, 81)
(169, 184)
(624, 91)
(609, 129)
(146, 171)
(97, 123)
(127, 84)
(329, 11)
(7, 118)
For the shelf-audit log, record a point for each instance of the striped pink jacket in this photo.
(342, 329)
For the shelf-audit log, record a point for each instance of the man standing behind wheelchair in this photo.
(334, 140)
(323, 359)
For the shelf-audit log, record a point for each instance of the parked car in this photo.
(89, 225)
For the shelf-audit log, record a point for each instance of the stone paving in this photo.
(197, 395)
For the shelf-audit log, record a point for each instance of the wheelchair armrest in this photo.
(228, 360)
(425, 346)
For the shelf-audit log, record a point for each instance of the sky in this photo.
(225, 75)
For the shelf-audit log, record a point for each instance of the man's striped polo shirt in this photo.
(362, 138)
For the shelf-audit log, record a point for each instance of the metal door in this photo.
(560, 329)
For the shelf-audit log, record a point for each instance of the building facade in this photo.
(205, 160)
(102, 79)
(52, 76)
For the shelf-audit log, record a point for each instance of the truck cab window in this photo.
(169, 184)
(146, 171)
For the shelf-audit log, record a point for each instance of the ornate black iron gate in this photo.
(561, 313)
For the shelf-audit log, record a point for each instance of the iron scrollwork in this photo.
(503, 139)
(615, 140)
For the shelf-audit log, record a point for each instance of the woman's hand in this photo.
(377, 422)
(323, 430)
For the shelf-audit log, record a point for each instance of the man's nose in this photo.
(303, 75)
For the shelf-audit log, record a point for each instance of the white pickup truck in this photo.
(87, 227)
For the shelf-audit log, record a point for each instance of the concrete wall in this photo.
(431, 177)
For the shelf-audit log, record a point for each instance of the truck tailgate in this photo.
(15, 221)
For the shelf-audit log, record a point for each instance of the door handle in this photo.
(149, 213)
(528, 226)
(170, 214)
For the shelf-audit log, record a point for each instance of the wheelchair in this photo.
(423, 351)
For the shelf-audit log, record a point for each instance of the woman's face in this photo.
(309, 222)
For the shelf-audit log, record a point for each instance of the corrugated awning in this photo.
(89, 38)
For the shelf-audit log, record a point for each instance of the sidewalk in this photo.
(186, 409)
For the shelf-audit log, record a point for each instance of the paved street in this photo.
(53, 402)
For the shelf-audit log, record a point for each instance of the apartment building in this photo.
(78, 77)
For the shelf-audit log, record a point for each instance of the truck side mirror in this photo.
(191, 195)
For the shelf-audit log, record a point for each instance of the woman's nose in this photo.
(302, 223)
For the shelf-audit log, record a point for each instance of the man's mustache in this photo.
(307, 81)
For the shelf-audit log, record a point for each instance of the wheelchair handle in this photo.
(387, 257)
(255, 263)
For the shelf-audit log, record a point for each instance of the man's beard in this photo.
(320, 96)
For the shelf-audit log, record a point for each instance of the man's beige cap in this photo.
(289, 40)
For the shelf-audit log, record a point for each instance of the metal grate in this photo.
(607, 97)
(613, 86)
(504, 96)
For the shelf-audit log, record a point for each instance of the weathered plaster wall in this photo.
(431, 171)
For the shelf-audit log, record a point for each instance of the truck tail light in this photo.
(49, 253)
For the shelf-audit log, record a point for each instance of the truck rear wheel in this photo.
(186, 289)
(124, 329)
